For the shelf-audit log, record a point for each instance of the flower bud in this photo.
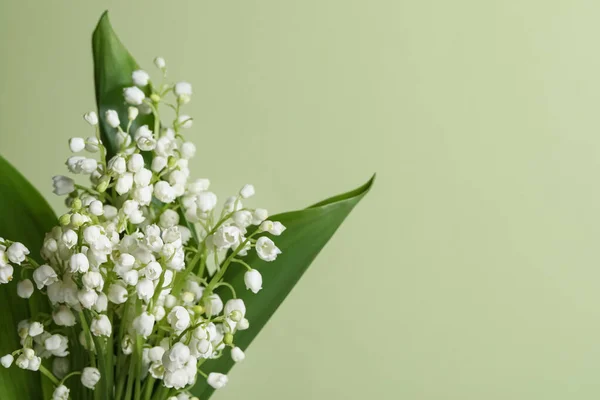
(164, 192)
(159, 312)
(63, 316)
(143, 324)
(217, 380)
(160, 62)
(188, 150)
(25, 289)
(92, 144)
(140, 78)
(145, 289)
(237, 355)
(168, 219)
(183, 91)
(133, 95)
(65, 219)
(35, 329)
(87, 298)
(206, 201)
(199, 185)
(243, 325)
(242, 218)
(187, 298)
(155, 97)
(247, 191)
(91, 118)
(156, 353)
(143, 177)
(228, 338)
(112, 118)
(135, 163)
(170, 301)
(198, 309)
(132, 113)
(76, 204)
(93, 280)
(7, 360)
(124, 183)
(117, 294)
(96, 208)
(101, 303)
(172, 162)
(103, 185)
(158, 163)
(62, 185)
(76, 144)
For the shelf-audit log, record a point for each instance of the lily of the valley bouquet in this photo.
(147, 287)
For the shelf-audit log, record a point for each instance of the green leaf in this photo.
(24, 217)
(307, 233)
(113, 66)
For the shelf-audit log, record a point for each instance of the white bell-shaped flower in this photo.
(90, 377)
(253, 280)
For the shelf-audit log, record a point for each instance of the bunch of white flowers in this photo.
(131, 270)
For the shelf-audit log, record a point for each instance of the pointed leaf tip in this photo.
(308, 231)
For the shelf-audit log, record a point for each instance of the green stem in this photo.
(219, 275)
(130, 378)
(122, 378)
(49, 375)
(227, 285)
(181, 278)
(63, 380)
(202, 264)
(148, 387)
(237, 260)
(88, 338)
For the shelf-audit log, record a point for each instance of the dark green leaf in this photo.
(307, 233)
(24, 217)
(113, 66)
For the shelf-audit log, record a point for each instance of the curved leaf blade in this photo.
(307, 233)
(113, 66)
(25, 217)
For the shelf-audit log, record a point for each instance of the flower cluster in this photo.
(134, 272)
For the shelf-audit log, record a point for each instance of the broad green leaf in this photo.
(113, 66)
(307, 233)
(24, 217)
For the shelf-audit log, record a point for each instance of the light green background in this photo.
(472, 269)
